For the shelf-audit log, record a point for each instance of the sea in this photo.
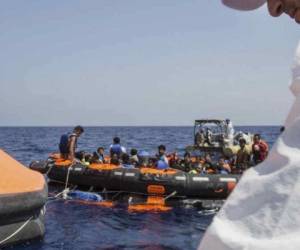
(71, 226)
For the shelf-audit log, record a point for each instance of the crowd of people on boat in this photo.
(201, 163)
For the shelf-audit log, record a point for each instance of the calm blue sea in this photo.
(75, 226)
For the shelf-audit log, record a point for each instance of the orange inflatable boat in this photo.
(23, 194)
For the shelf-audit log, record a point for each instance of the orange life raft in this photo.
(23, 194)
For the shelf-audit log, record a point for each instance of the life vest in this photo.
(116, 149)
(64, 143)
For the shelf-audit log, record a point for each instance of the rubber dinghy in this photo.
(23, 194)
(138, 180)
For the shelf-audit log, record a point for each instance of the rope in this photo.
(49, 170)
(67, 178)
(16, 232)
(170, 195)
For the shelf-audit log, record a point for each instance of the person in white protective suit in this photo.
(262, 213)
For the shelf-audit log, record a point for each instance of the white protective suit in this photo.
(263, 212)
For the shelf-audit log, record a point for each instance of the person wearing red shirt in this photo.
(260, 149)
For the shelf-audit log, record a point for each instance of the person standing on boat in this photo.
(243, 156)
(229, 131)
(68, 143)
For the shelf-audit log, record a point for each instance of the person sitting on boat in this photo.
(260, 149)
(144, 159)
(223, 167)
(68, 143)
(134, 159)
(95, 158)
(174, 160)
(162, 160)
(200, 138)
(186, 164)
(242, 161)
(208, 166)
(208, 136)
(125, 158)
(100, 153)
(115, 160)
(86, 159)
(116, 148)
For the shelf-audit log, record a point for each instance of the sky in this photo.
(158, 62)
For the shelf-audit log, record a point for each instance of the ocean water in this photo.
(76, 226)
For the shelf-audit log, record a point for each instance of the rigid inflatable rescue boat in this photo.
(23, 194)
(138, 180)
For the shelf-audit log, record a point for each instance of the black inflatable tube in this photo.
(132, 180)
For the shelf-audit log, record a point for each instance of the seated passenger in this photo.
(126, 161)
(100, 153)
(186, 164)
(174, 160)
(134, 159)
(223, 167)
(161, 156)
(115, 160)
(208, 166)
(260, 149)
(243, 156)
(86, 160)
(95, 158)
(116, 148)
(200, 138)
(208, 137)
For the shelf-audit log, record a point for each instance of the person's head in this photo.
(125, 159)
(275, 7)
(227, 121)
(78, 130)
(256, 138)
(88, 158)
(207, 158)
(242, 142)
(221, 161)
(133, 152)
(161, 149)
(187, 157)
(115, 159)
(100, 151)
(282, 129)
(116, 140)
(81, 155)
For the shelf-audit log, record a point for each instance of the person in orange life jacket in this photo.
(260, 149)
(174, 161)
(162, 160)
(208, 166)
(68, 143)
(116, 148)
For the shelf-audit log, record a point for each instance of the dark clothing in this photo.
(186, 166)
